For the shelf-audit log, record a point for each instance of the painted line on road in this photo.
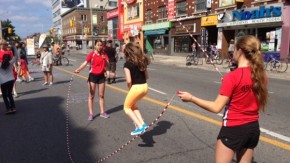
(157, 91)
(270, 92)
(217, 82)
(190, 113)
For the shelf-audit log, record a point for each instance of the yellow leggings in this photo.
(137, 92)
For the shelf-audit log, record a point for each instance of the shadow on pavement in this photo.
(160, 128)
(37, 133)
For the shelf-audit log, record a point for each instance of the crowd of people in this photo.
(243, 91)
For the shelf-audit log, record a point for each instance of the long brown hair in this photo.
(250, 46)
(135, 55)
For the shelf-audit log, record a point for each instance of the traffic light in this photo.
(9, 30)
(71, 23)
(95, 31)
(51, 30)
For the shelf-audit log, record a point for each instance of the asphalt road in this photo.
(48, 116)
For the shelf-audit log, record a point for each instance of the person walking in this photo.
(46, 61)
(243, 94)
(98, 61)
(111, 67)
(136, 75)
(7, 77)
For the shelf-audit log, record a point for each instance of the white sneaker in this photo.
(50, 83)
(45, 83)
(19, 80)
(15, 94)
(31, 79)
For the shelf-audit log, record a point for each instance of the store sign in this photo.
(171, 6)
(261, 12)
(209, 20)
(256, 15)
(183, 29)
(130, 1)
(112, 14)
(157, 26)
(251, 21)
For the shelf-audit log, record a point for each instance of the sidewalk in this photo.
(179, 61)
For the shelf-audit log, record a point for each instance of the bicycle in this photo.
(275, 65)
(193, 58)
(64, 60)
(213, 57)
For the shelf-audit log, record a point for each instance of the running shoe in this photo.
(45, 83)
(138, 131)
(91, 117)
(104, 115)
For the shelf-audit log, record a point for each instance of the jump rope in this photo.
(151, 124)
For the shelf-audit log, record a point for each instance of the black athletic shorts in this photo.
(240, 137)
(98, 79)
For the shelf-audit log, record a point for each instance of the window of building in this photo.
(224, 3)
(84, 17)
(149, 14)
(133, 11)
(162, 12)
(200, 5)
(113, 4)
(182, 44)
(181, 8)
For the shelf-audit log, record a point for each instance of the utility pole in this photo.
(91, 11)
(1, 30)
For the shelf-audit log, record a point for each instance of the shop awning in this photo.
(155, 32)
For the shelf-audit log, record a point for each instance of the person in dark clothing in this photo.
(111, 52)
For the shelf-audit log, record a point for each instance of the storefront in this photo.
(264, 22)
(208, 25)
(181, 39)
(157, 37)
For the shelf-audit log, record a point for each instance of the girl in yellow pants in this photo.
(136, 75)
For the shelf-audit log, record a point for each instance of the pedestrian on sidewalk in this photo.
(243, 94)
(136, 74)
(98, 61)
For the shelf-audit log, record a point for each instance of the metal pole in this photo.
(91, 10)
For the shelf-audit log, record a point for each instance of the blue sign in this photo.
(261, 12)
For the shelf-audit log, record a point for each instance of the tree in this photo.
(8, 31)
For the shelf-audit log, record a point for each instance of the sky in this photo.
(27, 16)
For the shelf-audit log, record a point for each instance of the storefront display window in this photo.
(182, 44)
(224, 3)
(270, 38)
(161, 42)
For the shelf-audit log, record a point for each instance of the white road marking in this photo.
(270, 92)
(217, 82)
(268, 132)
(72, 60)
(150, 68)
(157, 91)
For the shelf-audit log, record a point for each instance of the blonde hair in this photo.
(134, 54)
(250, 46)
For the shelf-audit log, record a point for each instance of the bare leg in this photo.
(134, 118)
(45, 77)
(101, 88)
(223, 154)
(139, 117)
(245, 156)
(50, 76)
(92, 89)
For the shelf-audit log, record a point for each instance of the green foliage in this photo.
(6, 24)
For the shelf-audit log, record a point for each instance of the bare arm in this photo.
(212, 106)
(82, 66)
(128, 77)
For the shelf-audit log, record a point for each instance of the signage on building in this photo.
(256, 15)
(130, 1)
(170, 10)
(209, 20)
(120, 31)
(162, 25)
(183, 29)
(208, 3)
(112, 14)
